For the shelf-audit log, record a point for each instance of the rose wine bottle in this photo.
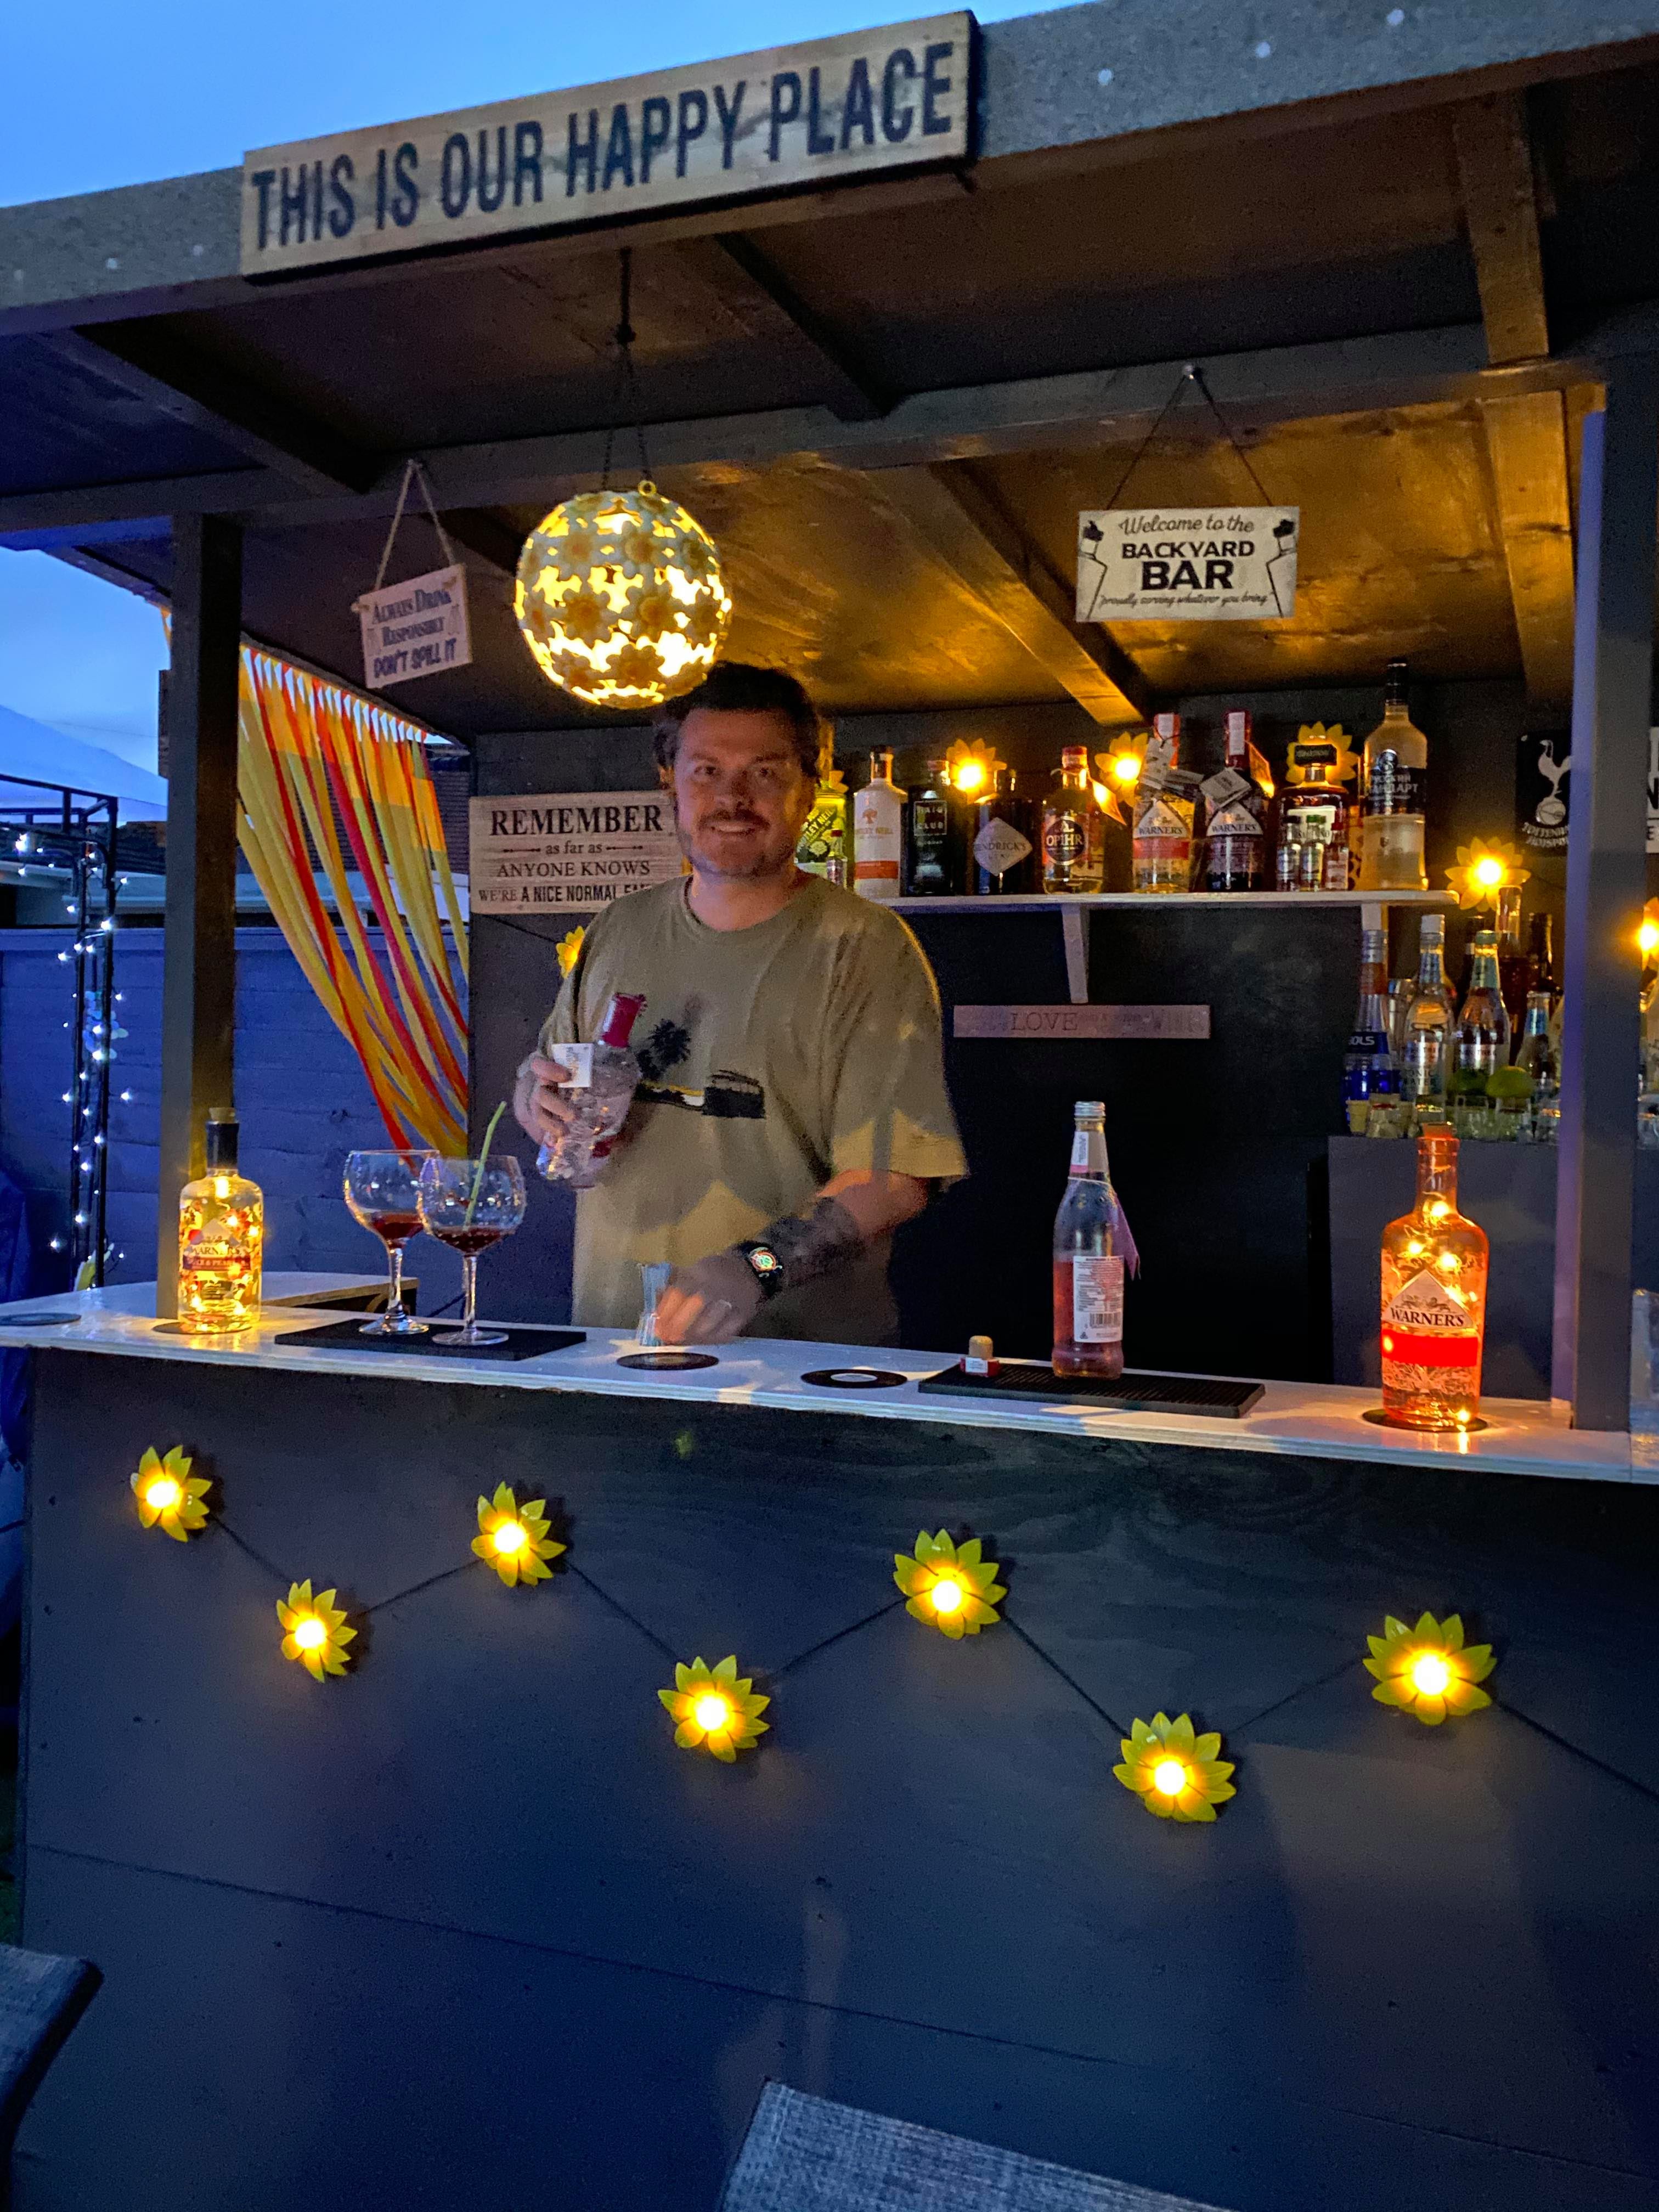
(1088, 1256)
(1434, 1300)
(604, 1077)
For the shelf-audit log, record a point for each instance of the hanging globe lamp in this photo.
(620, 597)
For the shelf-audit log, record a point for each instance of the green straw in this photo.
(477, 1180)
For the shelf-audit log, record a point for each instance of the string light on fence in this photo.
(715, 1709)
(513, 1539)
(314, 1630)
(1176, 1773)
(1429, 1671)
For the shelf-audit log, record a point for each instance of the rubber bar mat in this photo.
(1129, 1392)
(521, 1343)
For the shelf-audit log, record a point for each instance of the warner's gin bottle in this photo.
(1234, 844)
(604, 1077)
(1434, 1300)
(1161, 853)
(1088, 1258)
(221, 1235)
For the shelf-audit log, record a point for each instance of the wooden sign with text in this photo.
(568, 851)
(1061, 1025)
(869, 102)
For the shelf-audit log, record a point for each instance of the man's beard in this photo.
(762, 859)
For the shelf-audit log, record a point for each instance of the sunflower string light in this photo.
(314, 1630)
(972, 768)
(169, 1496)
(1175, 1772)
(1485, 868)
(715, 1709)
(1428, 1671)
(513, 1539)
(949, 1586)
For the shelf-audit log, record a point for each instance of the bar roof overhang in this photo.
(1401, 250)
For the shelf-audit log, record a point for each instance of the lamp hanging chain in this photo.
(1195, 375)
(627, 385)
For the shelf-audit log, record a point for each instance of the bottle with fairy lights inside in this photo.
(1434, 1300)
(221, 1235)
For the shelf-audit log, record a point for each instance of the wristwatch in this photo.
(767, 1267)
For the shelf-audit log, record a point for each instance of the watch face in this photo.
(764, 1262)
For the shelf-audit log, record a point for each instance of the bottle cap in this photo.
(980, 1347)
(1074, 757)
(1238, 727)
(1486, 940)
(221, 1137)
(620, 1017)
(1432, 929)
(1167, 726)
(1089, 1109)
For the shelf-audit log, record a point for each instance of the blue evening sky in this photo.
(117, 94)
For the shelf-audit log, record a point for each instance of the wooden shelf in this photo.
(1048, 901)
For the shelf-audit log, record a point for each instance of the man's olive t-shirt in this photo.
(772, 1059)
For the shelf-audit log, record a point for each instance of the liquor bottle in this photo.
(604, 1077)
(1162, 852)
(1234, 838)
(1395, 761)
(1480, 1042)
(1514, 965)
(1088, 1258)
(932, 855)
(1371, 1073)
(1074, 828)
(878, 831)
(1537, 1054)
(822, 850)
(1005, 831)
(1313, 817)
(221, 1236)
(1426, 1060)
(1540, 956)
(1434, 1300)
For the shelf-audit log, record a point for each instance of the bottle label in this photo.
(1064, 839)
(1423, 1326)
(577, 1060)
(1367, 1041)
(1000, 846)
(1161, 819)
(1098, 1298)
(1229, 821)
(1392, 787)
(930, 822)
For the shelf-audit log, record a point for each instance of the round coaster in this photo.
(1382, 1420)
(855, 1378)
(38, 1320)
(671, 1361)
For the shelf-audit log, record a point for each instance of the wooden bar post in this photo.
(198, 976)
(1613, 680)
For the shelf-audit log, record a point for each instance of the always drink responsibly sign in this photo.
(418, 627)
(1187, 564)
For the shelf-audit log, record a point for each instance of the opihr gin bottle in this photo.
(1434, 1300)
(221, 1235)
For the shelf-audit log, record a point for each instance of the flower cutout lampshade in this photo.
(620, 597)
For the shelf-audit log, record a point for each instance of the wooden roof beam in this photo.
(853, 394)
(965, 528)
(1526, 434)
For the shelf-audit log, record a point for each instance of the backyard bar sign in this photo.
(872, 101)
(1187, 564)
(568, 851)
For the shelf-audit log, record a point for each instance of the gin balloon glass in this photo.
(383, 1191)
(470, 1205)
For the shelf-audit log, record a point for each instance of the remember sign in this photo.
(872, 101)
(568, 850)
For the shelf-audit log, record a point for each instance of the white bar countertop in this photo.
(1312, 1420)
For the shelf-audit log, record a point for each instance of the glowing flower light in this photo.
(513, 1538)
(568, 948)
(314, 1630)
(1484, 869)
(714, 1708)
(951, 1587)
(1121, 766)
(621, 598)
(169, 1496)
(1647, 935)
(972, 768)
(1428, 1670)
(1175, 1772)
